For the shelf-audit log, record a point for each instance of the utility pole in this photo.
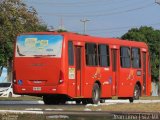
(159, 72)
(159, 65)
(61, 26)
(158, 2)
(84, 23)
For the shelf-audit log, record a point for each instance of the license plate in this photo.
(37, 88)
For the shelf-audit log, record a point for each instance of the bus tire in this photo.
(61, 101)
(10, 94)
(85, 101)
(95, 94)
(136, 94)
(131, 100)
(52, 100)
(102, 101)
(47, 99)
(78, 102)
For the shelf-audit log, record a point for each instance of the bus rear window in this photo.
(39, 45)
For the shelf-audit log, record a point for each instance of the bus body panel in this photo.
(38, 71)
(78, 80)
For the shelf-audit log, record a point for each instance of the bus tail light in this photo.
(61, 78)
(14, 77)
(14, 81)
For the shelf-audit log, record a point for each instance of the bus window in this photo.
(125, 57)
(136, 59)
(39, 45)
(91, 54)
(103, 51)
(70, 53)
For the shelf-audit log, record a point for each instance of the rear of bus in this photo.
(37, 64)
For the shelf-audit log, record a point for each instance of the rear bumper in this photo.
(39, 90)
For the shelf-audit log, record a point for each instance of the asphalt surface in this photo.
(72, 103)
(57, 112)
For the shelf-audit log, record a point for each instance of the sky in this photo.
(106, 18)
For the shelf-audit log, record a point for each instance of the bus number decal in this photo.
(131, 75)
(71, 73)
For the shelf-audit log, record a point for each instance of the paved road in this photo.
(85, 115)
(59, 112)
(107, 102)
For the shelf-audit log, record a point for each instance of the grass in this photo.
(22, 117)
(150, 98)
(129, 107)
(50, 117)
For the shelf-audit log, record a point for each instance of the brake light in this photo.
(14, 77)
(61, 78)
(14, 81)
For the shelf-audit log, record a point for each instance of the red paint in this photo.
(46, 72)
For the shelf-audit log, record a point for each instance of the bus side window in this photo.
(70, 53)
(91, 54)
(103, 52)
(136, 58)
(125, 57)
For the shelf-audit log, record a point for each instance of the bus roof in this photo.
(88, 38)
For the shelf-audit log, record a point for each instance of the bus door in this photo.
(144, 72)
(114, 70)
(78, 57)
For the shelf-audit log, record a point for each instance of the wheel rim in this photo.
(136, 92)
(95, 94)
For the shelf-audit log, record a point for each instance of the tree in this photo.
(152, 38)
(15, 18)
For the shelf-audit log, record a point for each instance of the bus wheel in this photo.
(131, 100)
(136, 94)
(10, 95)
(102, 101)
(95, 94)
(78, 101)
(52, 100)
(47, 99)
(61, 101)
(85, 101)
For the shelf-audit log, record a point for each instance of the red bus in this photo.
(70, 66)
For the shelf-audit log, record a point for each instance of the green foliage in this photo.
(152, 38)
(15, 18)
(61, 30)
